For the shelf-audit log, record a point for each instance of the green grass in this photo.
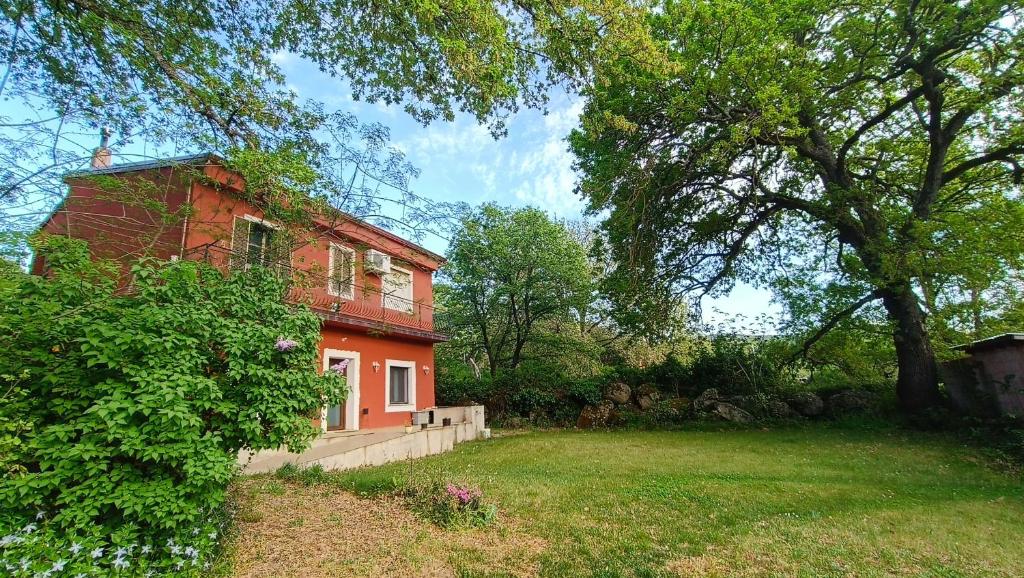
(814, 501)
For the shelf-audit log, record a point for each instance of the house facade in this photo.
(372, 288)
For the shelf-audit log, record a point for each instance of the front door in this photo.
(344, 416)
(336, 413)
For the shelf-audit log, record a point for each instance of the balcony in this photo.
(364, 311)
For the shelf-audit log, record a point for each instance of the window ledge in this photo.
(408, 407)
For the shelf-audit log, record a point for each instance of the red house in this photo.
(372, 288)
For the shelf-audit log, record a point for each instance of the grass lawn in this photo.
(801, 501)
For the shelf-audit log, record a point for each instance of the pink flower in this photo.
(463, 495)
(340, 366)
(285, 344)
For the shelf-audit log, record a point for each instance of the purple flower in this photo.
(339, 367)
(463, 495)
(286, 344)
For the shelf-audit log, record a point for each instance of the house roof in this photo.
(147, 165)
(992, 342)
(203, 158)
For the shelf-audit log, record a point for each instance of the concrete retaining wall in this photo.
(376, 448)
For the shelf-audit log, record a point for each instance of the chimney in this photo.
(101, 156)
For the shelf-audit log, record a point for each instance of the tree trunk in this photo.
(917, 384)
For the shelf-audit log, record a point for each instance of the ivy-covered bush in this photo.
(133, 400)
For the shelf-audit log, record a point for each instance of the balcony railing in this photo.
(365, 307)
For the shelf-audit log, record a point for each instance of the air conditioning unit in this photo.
(377, 262)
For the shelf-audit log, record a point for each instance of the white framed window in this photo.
(396, 288)
(341, 271)
(400, 385)
(258, 242)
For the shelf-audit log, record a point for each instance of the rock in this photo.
(778, 409)
(730, 412)
(647, 400)
(706, 400)
(598, 415)
(679, 404)
(744, 402)
(646, 389)
(807, 404)
(618, 392)
(850, 401)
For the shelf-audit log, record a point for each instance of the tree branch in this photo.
(831, 323)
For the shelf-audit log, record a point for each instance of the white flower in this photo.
(59, 565)
(191, 552)
(213, 535)
(147, 549)
(175, 549)
(10, 539)
(98, 552)
(29, 528)
(75, 548)
(24, 563)
(40, 515)
(120, 563)
(195, 531)
(121, 552)
(170, 542)
(80, 575)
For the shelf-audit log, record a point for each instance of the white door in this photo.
(343, 418)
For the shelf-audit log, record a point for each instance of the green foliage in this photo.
(843, 153)
(138, 398)
(509, 273)
(739, 365)
(539, 392)
(32, 549)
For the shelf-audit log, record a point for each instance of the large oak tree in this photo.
(880, 134)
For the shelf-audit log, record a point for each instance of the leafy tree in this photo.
(509, 272)
(842, 144)
(129, 405)
(185, 76)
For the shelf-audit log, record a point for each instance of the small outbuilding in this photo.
(990, 379)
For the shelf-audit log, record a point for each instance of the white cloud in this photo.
(545, 168)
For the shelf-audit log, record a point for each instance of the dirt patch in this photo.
(290, 530)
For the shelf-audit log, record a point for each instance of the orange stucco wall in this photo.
(371, 408)
(117, 230)
(212, 222)
(146, 219)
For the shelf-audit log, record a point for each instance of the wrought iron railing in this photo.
(310, 286)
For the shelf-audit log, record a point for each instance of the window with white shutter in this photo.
(397, 289)
(341, 271)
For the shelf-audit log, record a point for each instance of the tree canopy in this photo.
(509, 271)
(867, 150)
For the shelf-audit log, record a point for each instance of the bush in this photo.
(448, 504)
(732, 364)
(535, 392)
(136, 403)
